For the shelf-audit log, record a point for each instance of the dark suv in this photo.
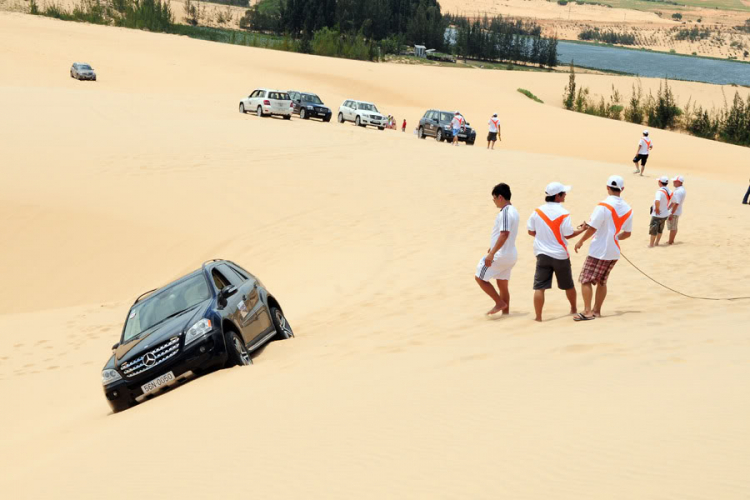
(211, 318)
(437, 124)
(308, 105)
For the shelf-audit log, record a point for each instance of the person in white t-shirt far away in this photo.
(645, 145)
(675, 207)
(611, 222)
(494, 132)
(502, 254)
(550, 226)
(457, 123)
(659, 211)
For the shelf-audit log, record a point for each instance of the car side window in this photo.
(239, 271)
(226, 272)
(219, 280)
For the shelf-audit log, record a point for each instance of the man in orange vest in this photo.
(494, 124)
(611, 222)
(644, 148)
(550, 226)
(659, 211)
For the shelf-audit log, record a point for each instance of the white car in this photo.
(266, 102)
(361, 113)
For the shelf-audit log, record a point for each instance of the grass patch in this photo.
(659, 5)
(530, 95)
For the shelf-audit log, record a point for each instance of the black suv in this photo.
(437, 124)
(211, 318)
(308, 105)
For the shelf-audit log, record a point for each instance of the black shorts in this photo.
(546, 266)
(492, 137)
(642, 158)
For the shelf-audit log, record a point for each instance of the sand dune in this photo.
(396, 386)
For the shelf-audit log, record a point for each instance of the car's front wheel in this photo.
(259, 112)
(341, 117)
(357, 122)
(242, 108)
(303, 114)
(283, 328)
(237, 351)
(439, 136)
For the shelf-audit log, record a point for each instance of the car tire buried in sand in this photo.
(420, 134)
(287, 117)
(381, 128)
(238, 355)
(341, 117)
(283, 328)
(439, 136)
(242, 108)
(259, 112)
(357, 122)
(303, 114)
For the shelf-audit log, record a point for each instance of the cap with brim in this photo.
(678, 178)
(555, 188)
(615, 181)
(645, 132)
(664, 179)
(494, 115)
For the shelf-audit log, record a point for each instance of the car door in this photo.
(258, 319)
(295, 97)
(229, 303)
(429, 126)
(240, 311)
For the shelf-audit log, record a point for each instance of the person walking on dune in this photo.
(659, 211)
(611, 222)
(747, 195)
(494, 124)
(645, 145)
(403, 126)
(502, 254)
(675, 207)
(457, 123)
(550, 226)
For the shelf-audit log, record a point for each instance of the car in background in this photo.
(361, 113)
(308, 105)
(266, 102)
(82, 71)
(436, 123)
(210, 318)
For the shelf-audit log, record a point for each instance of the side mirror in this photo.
(227, 292)
(115, 346)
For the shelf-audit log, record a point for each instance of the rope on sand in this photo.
(680, 293)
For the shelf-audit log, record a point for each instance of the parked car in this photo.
(308, 105)
(436, 123)
(211, 318)
(361, 113)
(82, 71)
(265, 102)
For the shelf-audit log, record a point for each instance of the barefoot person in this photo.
(675, 207)
(611, 222)
(644, 148)
(494, 124)
(502, 255)
(659, 211)
(550, 226)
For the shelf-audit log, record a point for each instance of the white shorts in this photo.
(499, 270)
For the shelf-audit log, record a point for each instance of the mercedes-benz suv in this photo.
(211, 318)
(436, 123)
(308, 105)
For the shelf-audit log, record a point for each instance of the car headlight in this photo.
(109, 376)
(310, 108)
(199, 329)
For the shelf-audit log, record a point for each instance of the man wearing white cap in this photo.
(659, 211)
(457, 123)
(550, 226)
(675, 207)
(611, 222)
(494, 124)
(644, 148)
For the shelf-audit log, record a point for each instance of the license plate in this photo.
(157, 383)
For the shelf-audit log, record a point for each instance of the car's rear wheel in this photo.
(283, 328)
(242, 108)
(341, 117)
(421, 133)
(357, 122)
(237, 351)
(303, 114)
(439, 136)
(259, 112)
(327, 119)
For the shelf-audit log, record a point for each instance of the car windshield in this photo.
(445, 117)
(311, 98)
(165, 304)
(84, 66)
(281, 96)
(367, 107)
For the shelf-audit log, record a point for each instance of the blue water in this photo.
(645, 63)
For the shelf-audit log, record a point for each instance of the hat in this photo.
(664, 179)
(494, 115)
(678, 178)
(645, 132)
(615, 181)
(554, 188)
(458, 113)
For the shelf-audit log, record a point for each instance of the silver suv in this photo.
(362, 114)
(82, 71)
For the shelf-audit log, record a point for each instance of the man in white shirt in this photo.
(675, 207)
(644, 148)
(611, 222)
(502, 255)
(457, 123)
(659, 211)
(550, 226)
(494, 124)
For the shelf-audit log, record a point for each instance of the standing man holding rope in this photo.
(659, 211)
(644, 148)
(675, 207)
(611, 222)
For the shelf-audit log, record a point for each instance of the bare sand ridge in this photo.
(396, 385)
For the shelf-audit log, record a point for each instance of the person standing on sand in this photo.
(644, 148)
(747, 195)
(611, 222)
(403, 126)
(502, 254)
(457, 124)
(659, 211)
(494, 124)
(550, 226)
(675, 207)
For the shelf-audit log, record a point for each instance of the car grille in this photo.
(152, 358)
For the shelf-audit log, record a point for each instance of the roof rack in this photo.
(209, 261)
(143, 295)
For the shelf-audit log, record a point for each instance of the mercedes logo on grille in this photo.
(149, 360)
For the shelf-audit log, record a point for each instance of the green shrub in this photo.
(530, 95)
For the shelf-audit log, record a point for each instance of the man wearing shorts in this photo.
(550, 226)
(644, 148)
(659, 211)
(494, 124)
(675, 207)
(457, 124)
(611, 222)
(502, 255)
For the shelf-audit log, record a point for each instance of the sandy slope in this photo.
(396, 385)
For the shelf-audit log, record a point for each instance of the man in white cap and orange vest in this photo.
(675, 207)
(611, 222)
(550, 226)
(457, 124)
(659, 211)
(645, 145)
(494, 124)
